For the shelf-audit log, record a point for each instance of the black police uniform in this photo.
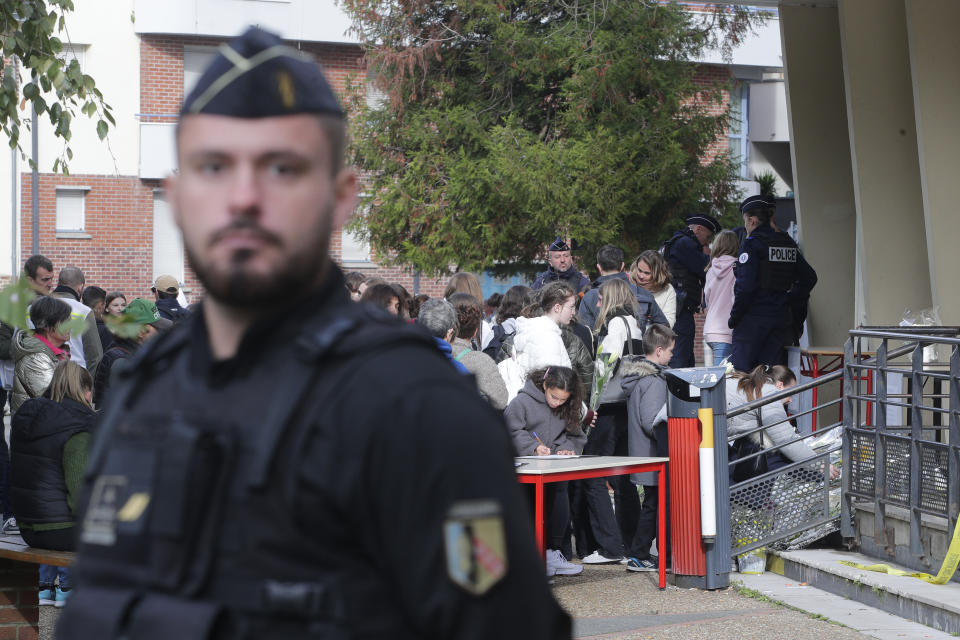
(571, 276)
(335, 479)
(772, 277)
(688, 263)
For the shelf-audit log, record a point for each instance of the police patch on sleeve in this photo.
(744, 257)
(475, 545)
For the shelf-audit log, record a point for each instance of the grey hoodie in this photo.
(647, 393)
(529, 412)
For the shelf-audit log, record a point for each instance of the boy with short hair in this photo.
(647, 435)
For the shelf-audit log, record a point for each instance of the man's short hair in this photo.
(657, 335)
(92, 295)
(437, 316)
(36, 262)
(610, 257)
(72, 277)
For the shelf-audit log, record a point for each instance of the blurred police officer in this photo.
(686, 254)
(283, 463)
(560, 267)
(772, 288)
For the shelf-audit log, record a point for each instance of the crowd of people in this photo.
(531, 351)
(537, 352)
(55, 379)
(287, 462)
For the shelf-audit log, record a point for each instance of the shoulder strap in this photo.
(626, 325)
(462, 353)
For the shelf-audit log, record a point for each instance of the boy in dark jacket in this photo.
(647, 434)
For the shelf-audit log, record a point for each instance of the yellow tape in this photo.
(706, 419)
(947, 569)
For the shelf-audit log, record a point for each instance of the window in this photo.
(167, 242)
(70, 209)
(353, 248)
(195, 61)
(376, 98)
(72, 52)
(739, 134)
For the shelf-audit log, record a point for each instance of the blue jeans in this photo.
(49, 573)
(720, 351)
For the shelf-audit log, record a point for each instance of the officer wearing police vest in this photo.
(687, 257)
(772, 280)
(285, 463)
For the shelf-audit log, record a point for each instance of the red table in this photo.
(538, 472)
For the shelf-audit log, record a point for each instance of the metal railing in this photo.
(907, 455)
(776, 506)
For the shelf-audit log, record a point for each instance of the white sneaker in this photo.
(597, 558)
(557, 565)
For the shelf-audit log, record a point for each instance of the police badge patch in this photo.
(744, 257)
(475, 545)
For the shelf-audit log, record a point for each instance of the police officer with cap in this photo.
(773, 284)
(686, 254)
(560, 267)
(308, 474)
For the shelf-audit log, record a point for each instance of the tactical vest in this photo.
(191, 529)
(778, 271)
(687, 284)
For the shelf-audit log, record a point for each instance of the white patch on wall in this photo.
(70, 208)
(167, 241)
(195, 61)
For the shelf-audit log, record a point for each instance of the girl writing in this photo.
(546, 418)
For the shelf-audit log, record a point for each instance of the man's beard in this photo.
(235, 286)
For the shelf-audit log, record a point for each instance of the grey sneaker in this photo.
(646, 564)
(9, 527)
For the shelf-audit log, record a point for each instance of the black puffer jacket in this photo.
(40, 429)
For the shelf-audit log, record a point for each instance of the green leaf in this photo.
(102, 129)
(74, 326)
(122, 326)
(15, 300)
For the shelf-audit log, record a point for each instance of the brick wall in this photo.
(708, 76)
(19, 606)
(118, 254)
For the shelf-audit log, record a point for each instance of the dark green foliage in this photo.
(29, 40)
(509, 123)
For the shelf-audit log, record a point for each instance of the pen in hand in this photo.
(541, 443)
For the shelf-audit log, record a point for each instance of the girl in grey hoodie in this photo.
(545, 418)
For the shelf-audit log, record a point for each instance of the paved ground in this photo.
(611, 603)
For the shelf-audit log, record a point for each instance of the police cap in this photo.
(704, 219)
(256, 75)
(757, 202)
(559, 245)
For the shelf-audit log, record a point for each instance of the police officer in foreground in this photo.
(560, 267)
(284, 463)
(686, 254)
(771, 291)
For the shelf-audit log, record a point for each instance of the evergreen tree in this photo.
(508, 122)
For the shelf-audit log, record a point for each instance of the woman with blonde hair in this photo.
(718, 294)
(49, 438)
(616, 319)
(465, 282)
(651, 272)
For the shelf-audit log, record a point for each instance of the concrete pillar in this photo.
(823, 178)
(934, 56)
(891, 237)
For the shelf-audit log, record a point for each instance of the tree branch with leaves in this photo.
(33, 50)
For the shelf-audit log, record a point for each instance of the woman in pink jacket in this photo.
(718, 294)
